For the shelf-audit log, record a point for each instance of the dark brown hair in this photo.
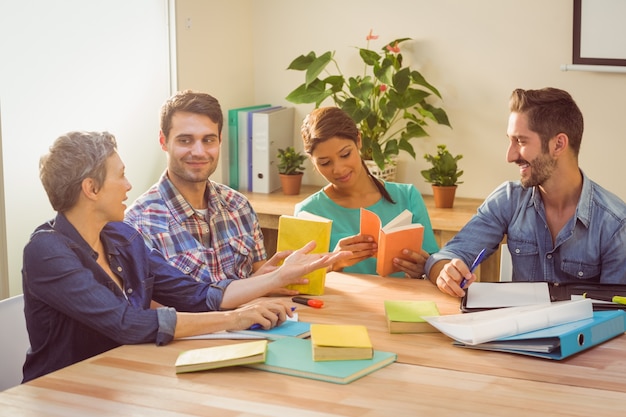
(550, 111)
(192, 102)
(331, 122)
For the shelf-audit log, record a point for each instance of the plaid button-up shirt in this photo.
(222, 243)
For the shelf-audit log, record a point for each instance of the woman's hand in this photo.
(412, 263)
(267, 314)
(361, 247)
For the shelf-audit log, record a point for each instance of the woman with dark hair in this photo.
(333, 141)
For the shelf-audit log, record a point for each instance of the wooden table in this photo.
(445, 222)
(431, 377)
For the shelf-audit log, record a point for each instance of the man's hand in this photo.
(451, 275)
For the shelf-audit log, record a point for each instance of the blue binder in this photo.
(560, 342)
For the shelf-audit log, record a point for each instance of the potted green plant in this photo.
(290, 169)
(443, 175)
(389, 101)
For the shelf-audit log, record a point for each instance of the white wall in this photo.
(215, 56)
(474, 51)
(77, 65)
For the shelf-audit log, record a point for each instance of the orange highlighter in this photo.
(308, 302)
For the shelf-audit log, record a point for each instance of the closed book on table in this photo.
(332, 342)
(221, 356)
(562, 341)
(293, 356)
(408, 316)
(295, 232)
(397, 235)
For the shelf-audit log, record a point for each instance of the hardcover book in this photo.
(221, 356)
(295, 232)
(408, 316)
(332, 342)
(392, 238)
(293, 356)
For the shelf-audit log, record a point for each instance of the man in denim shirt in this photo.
(560, 226)
(88, 278)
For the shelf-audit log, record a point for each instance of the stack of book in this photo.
(337, 361)
(408, 316)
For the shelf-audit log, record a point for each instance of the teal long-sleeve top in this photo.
(346, 221)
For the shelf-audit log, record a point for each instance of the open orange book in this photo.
(392, 238)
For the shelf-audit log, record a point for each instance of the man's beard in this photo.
(541, 169)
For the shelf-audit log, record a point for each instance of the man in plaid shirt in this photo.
(203, 228)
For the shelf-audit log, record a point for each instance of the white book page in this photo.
(509, 294)
(488, 325)
(401, 219)
(310, 216)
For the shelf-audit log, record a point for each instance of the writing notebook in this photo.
(487, 295)
(296, 231)
(392, 238)
(293, 356)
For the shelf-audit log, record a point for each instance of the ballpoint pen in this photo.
(476, 262)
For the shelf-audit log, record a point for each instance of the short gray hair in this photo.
(72, 158)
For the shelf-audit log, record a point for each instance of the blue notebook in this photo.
(562, 341)
(300, 329)
(293, 356)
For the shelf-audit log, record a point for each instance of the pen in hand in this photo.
(476, 262)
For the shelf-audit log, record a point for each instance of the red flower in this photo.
(383, 88)
(395, 48)
(371, 36)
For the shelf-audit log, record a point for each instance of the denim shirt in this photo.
(591, 247)
(74, 310)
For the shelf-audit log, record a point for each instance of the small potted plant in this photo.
(444, 176)
(290, 169)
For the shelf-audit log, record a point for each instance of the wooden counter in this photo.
(446, 222)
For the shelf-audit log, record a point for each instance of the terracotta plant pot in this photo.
(444, 196)
(291, 183)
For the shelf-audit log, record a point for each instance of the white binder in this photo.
(272, 129)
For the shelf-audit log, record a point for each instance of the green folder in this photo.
(293, 356)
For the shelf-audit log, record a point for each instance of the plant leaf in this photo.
(317, 66)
